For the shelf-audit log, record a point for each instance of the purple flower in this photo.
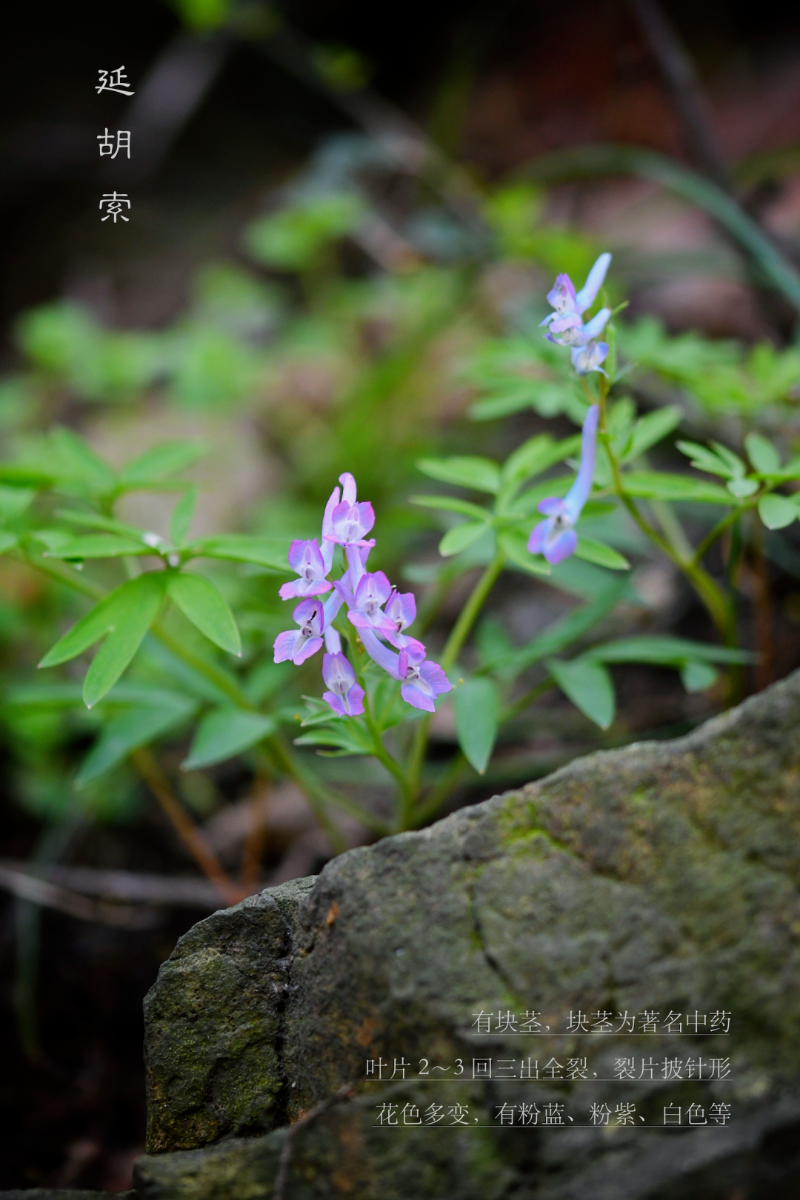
(306, 559)
(423, 681)
(366, 604)
(566, 327)
(300, 644)
(401, 612)
(564, 299)
(346, 522)
(345, 697)
(589, 357)
(311, 561)
(555, 538)
(575, 333)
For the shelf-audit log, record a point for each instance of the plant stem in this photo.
(469, 613)
(453, 772)
(458, 765)
(185, 827)
(527, 698)
(725, 523)
(717, 604)
(458, 635)
(390, 763)
(318, 795)
(214, 674)
(70, 580)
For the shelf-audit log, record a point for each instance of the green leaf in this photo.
(130, 729)
(51, 539)
(159, 463)
(99, 545)
(659, 485)
(14, 501)
(703, 459)
(791, 470)
(527, 504)
(452, 504)
(95, 521)
(134, 613)
(777, 511)
(762, 454)
(476, 707)
(294, 238)
(20, 475)
(588, 685)
(244, 547)
(735, 465)
(665, 651)
(224, 732)
(479, 474)
(651, 429)
(182, 515)
(742, 487)
(7, 541)
(535, 456)
(604, 556)
(346, 737)
(108, 615)
(697, 676)
(50, 695)
(495, 647)
(515, 547)
(77, 460)
(461, 536)
(207, 608)
(563, 632)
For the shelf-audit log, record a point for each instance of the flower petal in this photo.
(594, 327)
(336, 703)
(551, 506)
(594, 281)
(538, 537)
(413, 695)
(354, 700)
(309, 647)
(299, 587)
(435, 678)
(348, 488)
(284, 645)
(562, 294)
(561, 546)
(337, 673)
(578, 494)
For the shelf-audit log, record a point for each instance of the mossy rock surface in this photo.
(662, 877)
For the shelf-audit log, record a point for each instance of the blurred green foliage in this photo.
(343, 355)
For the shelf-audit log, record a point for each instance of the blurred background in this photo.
(341, 218)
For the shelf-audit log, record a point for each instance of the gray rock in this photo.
(213, 1023)
(660, 877)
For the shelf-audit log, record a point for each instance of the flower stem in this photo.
(458, 635)
(717, 604)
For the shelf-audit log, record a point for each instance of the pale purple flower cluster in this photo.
(566, 326)
(378, 611)
(556, 538)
